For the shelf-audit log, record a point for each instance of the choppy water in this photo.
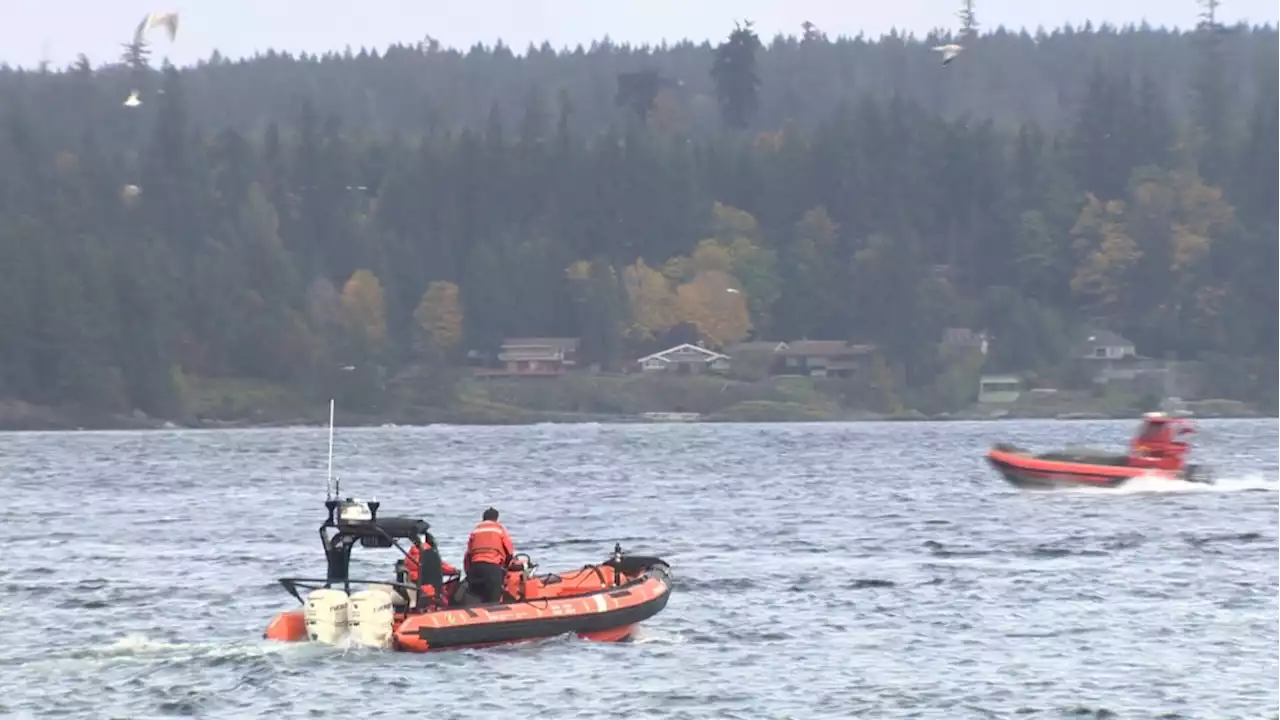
(822, 570)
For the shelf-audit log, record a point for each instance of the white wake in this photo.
(1152, 484)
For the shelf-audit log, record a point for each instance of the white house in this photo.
(999, 389)
(965, 338)
(1107, 345)
(685, 359)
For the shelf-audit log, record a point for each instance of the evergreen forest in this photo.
(371, 217)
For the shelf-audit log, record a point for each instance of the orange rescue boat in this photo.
(1156, 452)
(603, 602)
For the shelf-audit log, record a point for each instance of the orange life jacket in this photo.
(1153, 440)
(489, 543)
(411, 565)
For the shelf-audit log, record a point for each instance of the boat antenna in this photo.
(328, 481)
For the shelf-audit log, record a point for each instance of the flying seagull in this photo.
(949, 52)
(169, 21)
(132, 100)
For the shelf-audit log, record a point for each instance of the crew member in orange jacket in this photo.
(411, 561)
(430, 593)
(489, 550)
(1156, 444)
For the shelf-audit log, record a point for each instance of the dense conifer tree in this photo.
(286, 217)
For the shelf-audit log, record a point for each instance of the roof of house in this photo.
(962, 336)
(530, 352)
(769, 346)
(825, 348)
(1106, 338)
(686, 347)
(562, 343)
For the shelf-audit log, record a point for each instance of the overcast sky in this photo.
(57, 30)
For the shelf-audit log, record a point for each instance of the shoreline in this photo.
(48, 420)
(230, 403)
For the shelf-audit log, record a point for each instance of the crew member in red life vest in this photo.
(427, 545)
(489, 550)
(1156, 444)
(411, 561)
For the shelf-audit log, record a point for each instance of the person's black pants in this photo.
(486, 581)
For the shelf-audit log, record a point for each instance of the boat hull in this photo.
(609, 614)
(1045, 472)
(594, 607)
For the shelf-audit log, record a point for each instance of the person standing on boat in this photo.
(489, 550)
(1156, 444)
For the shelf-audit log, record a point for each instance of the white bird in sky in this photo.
(132, 100)
(735, 291)
(949, 52)
(154, 20)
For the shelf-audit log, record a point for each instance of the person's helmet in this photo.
(490, 515)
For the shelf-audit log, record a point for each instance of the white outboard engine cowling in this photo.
(371, 618)
(326, 615)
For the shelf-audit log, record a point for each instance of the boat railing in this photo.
(292, 584)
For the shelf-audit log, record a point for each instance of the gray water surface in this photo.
(874, 570)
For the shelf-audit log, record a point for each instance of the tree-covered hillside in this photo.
(1008, 76)
(284, 218)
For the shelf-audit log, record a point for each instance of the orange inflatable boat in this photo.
(602, 602)
(1156, 453)
(1081, 468)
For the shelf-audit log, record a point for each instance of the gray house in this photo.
(824, 358)
(1106, 345)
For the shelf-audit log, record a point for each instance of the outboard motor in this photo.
(1198, 474)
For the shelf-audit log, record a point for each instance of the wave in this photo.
(1144, 485)
(144, 648)
(645, 635)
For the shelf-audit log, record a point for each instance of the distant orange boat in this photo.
(1156, 454)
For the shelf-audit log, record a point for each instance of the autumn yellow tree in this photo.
(1176, 219)
(720, 315)
(654, 306)
(729, 223)
(1146, 260)
(735, 249)
(578, 270)
(1107, 253)
(709, 254)
(1184, 213)
(364, 310)
(438, 320)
